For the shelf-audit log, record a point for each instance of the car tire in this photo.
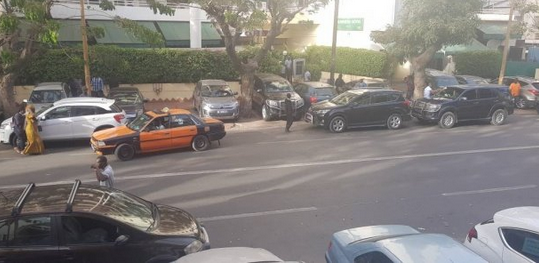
(265, 113)
(125, 152)
(520, 103)
(394, 121)
(200, 143)
(498, 117)
(448, 120)
(337, 124)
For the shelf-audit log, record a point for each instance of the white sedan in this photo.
(512, 236)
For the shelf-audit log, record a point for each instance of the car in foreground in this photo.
(215, 99)
(511, 236)
(360, 108)
(129, 99)
(84, 223)
(529, 91)
(471, 80)
(313, 92)
(270, 94)
(45, 94)
(464, 103)
(231, 255)
(71, 119)
(396, 244)
(156, 131)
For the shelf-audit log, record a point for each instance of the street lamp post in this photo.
(85, 49)
(334, 44)
(506, 44)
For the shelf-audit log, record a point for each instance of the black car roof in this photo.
(368, 89)
(315, 84)
(473, 86)
(54, 199)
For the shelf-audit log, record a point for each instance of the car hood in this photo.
(219, 100)
(282, 96)
(108, 134)
(176, 222)
(326, 104)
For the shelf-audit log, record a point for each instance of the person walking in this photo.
(18, 128)
(35, 144)
(103, 172)
(289, 110)
(97, 86)
(514, 88)
(288, 68)
(307, 76)
(75, 87)
(409, 86)
(339, 84)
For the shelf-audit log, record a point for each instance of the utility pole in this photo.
(506, 43)
(334, 44)
(85, 50)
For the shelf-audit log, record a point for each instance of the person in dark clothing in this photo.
(289, 109)
(75, 87)
(339, 84)
(409, 86)
(18, 128)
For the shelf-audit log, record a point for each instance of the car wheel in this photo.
(125, 152)
(200, 143)
(265, 113)
(498, 117)
(448, 120)
(394, 121)
(520, 103)
(337, 124)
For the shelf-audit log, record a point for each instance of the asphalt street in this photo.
(289, 193)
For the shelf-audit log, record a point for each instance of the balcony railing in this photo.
(133, 3)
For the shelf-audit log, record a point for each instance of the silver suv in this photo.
(529, 92)
(215, 99)
(45, 94)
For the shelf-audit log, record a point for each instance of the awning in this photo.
(475, 45)
(177, 34)
(209, 32)
(69, 31)
(494, 32)
(114, 34)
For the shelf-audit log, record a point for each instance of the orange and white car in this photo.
(157, 131)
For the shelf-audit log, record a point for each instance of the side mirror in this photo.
(121, 240)
(463, 99)
(235, 93)
(42, 118)
(25, 100)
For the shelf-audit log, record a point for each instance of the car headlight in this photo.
(4, 125)
(301, 103)
(272, 103)
(100, 143)
(194, 247)
(207, 106)
(322, 112)
(139, 112)
(236, 104)
(433, 107)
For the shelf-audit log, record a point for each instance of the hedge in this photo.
(486, 64)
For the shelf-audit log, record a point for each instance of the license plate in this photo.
(309, 118)
(222, 111)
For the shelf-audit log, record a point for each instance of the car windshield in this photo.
(45, 96)
(139, 122)
(278, 87)
(446, 81)
(216, 91)
(480, 81)
(126, 98)
(450, 93)
(345, 98)
(120, 206)
(43, 109)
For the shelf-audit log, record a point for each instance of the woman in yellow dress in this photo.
(34, 145)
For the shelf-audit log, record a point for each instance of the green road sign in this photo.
(350, 24)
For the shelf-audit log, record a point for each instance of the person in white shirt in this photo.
(427, 93)
(103, 172)
(307, 76)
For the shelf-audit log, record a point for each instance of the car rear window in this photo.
(115, 108)
(446, 81)
(325, 91)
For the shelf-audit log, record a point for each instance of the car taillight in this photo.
(534, 92)
(119, 117)
(472, 234)
(407, 103)
(314, 100)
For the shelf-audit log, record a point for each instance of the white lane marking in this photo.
(489, 190)
(248, 215)
(311, 140)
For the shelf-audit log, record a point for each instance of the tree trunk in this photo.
(247, 84)
(7, 97)
(419, 63)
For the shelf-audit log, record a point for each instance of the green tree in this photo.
(234, 17)
(424, 27)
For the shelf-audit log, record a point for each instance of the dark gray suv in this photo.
(269, 95)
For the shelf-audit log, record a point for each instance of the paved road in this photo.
(289, 192)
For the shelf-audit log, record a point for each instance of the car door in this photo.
(156, 138)
(487, 99)
(196, 96)
(379, 109)
(29, 240)
(84, 119)
(183, 130)
(521, 246)
(468, 105)
(90, 239)
(355, 112)
(56, 124)
(258, 94)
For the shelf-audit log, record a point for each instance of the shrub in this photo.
(486, 64)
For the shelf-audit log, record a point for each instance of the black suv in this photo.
(269, 95)
(360, 108)
(439, 79)
(81, 223)
(465, 102)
